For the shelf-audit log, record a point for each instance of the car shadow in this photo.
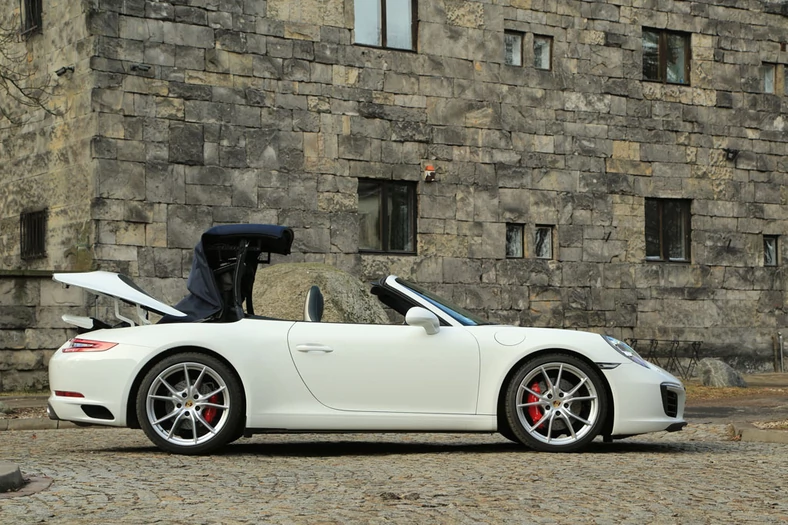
(392, 448)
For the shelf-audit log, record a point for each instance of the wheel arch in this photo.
(131, 402)
(500, 412)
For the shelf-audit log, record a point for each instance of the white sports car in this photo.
(211, 371)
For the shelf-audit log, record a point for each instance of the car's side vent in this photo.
(670, 401)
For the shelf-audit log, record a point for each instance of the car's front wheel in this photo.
(190, 403)
(556, 403)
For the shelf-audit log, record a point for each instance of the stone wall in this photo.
(46, 163)
(215, 111)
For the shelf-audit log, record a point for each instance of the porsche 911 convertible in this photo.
(210, 371)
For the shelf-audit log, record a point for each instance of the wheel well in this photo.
(131, 403)
(501, 409)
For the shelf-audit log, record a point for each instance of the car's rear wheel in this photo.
(556, 403)
(190, 403)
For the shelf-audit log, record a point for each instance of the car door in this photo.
(387, 368)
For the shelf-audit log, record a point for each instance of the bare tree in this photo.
(20, 89)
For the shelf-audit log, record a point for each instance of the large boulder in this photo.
(714, 372)
(280, 291)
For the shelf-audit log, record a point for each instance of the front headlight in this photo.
(624, 349)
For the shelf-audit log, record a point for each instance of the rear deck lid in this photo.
(117, 286)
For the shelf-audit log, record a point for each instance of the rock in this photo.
(280, 291)
(5, 409)
(714, 372)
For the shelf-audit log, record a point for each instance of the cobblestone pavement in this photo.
(115, 476)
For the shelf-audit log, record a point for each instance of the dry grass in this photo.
(696, 392)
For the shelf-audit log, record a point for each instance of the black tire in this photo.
(556, 403)
(190, 403)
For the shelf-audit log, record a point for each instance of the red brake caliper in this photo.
(534, 411)
(210, 413)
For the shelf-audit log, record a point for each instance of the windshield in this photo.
(460, 315)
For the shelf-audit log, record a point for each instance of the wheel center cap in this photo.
(189, 404)
(556, 404)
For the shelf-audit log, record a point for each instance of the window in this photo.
(543, 242)
(512, 48)
(514, 241)
(667, 230)
(767, 77)
(386, 23)
(31, 16)
(770, 250)
(543, 52)
(785, 80)
(32, 234)
(666, 56)
(387, 216)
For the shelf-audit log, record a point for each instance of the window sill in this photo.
(666, 83)
(370, 46)
(377, 252)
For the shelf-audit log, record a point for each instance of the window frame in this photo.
(414, 27)
(762, 74)
(31, 16)
(662, 59)
(776, 239)
(687, 241)
(383, 224)
(520, 227)
(551, 233)
(550, 40)
(521, 35)
(33, 234)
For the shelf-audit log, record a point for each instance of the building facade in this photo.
(616, 166)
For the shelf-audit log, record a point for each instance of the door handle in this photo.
(312, 347)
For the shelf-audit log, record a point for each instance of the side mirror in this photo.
(418, 316)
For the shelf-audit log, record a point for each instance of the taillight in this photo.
(87, 345)
(63, 393)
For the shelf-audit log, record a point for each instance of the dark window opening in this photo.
(514, 241)
(386, 23)
(666, 56)
(770, 252)
(387, 216)
(543, 242)
(31, 16)
(668, 230)
(513, 48)
(543, 52)
(32, 234)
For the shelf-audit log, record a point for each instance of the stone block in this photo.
(186, 144)
(185, 225)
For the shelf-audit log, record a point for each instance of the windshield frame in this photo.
(457, 313)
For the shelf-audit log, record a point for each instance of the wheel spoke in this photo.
(213, 405)
(194, 427)
(211, 394)
(550, 426)
(175, 425)
(585, 422)
(547, 378)
(569, 425)
(175, 411)
(188, 381)
(541, 420)
(534, 404)
(537, 394)
(169, 387)
(161, 398)
(583, 398)
(558, 378)
(198, 381)
(576, 388)
(204, 422)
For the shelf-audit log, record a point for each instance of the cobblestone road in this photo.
(115, 476)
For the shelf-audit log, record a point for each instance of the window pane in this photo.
(369, 202)
(368, 22)
(767, 78)
(543, 242)
(785, 79)
(399, 20)
(650, 55)
(769, 251)
(513, 49)
(514, 240)
(542, 45)
(652, 229)
(400, 215)
(674, 224)
(676, 59)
